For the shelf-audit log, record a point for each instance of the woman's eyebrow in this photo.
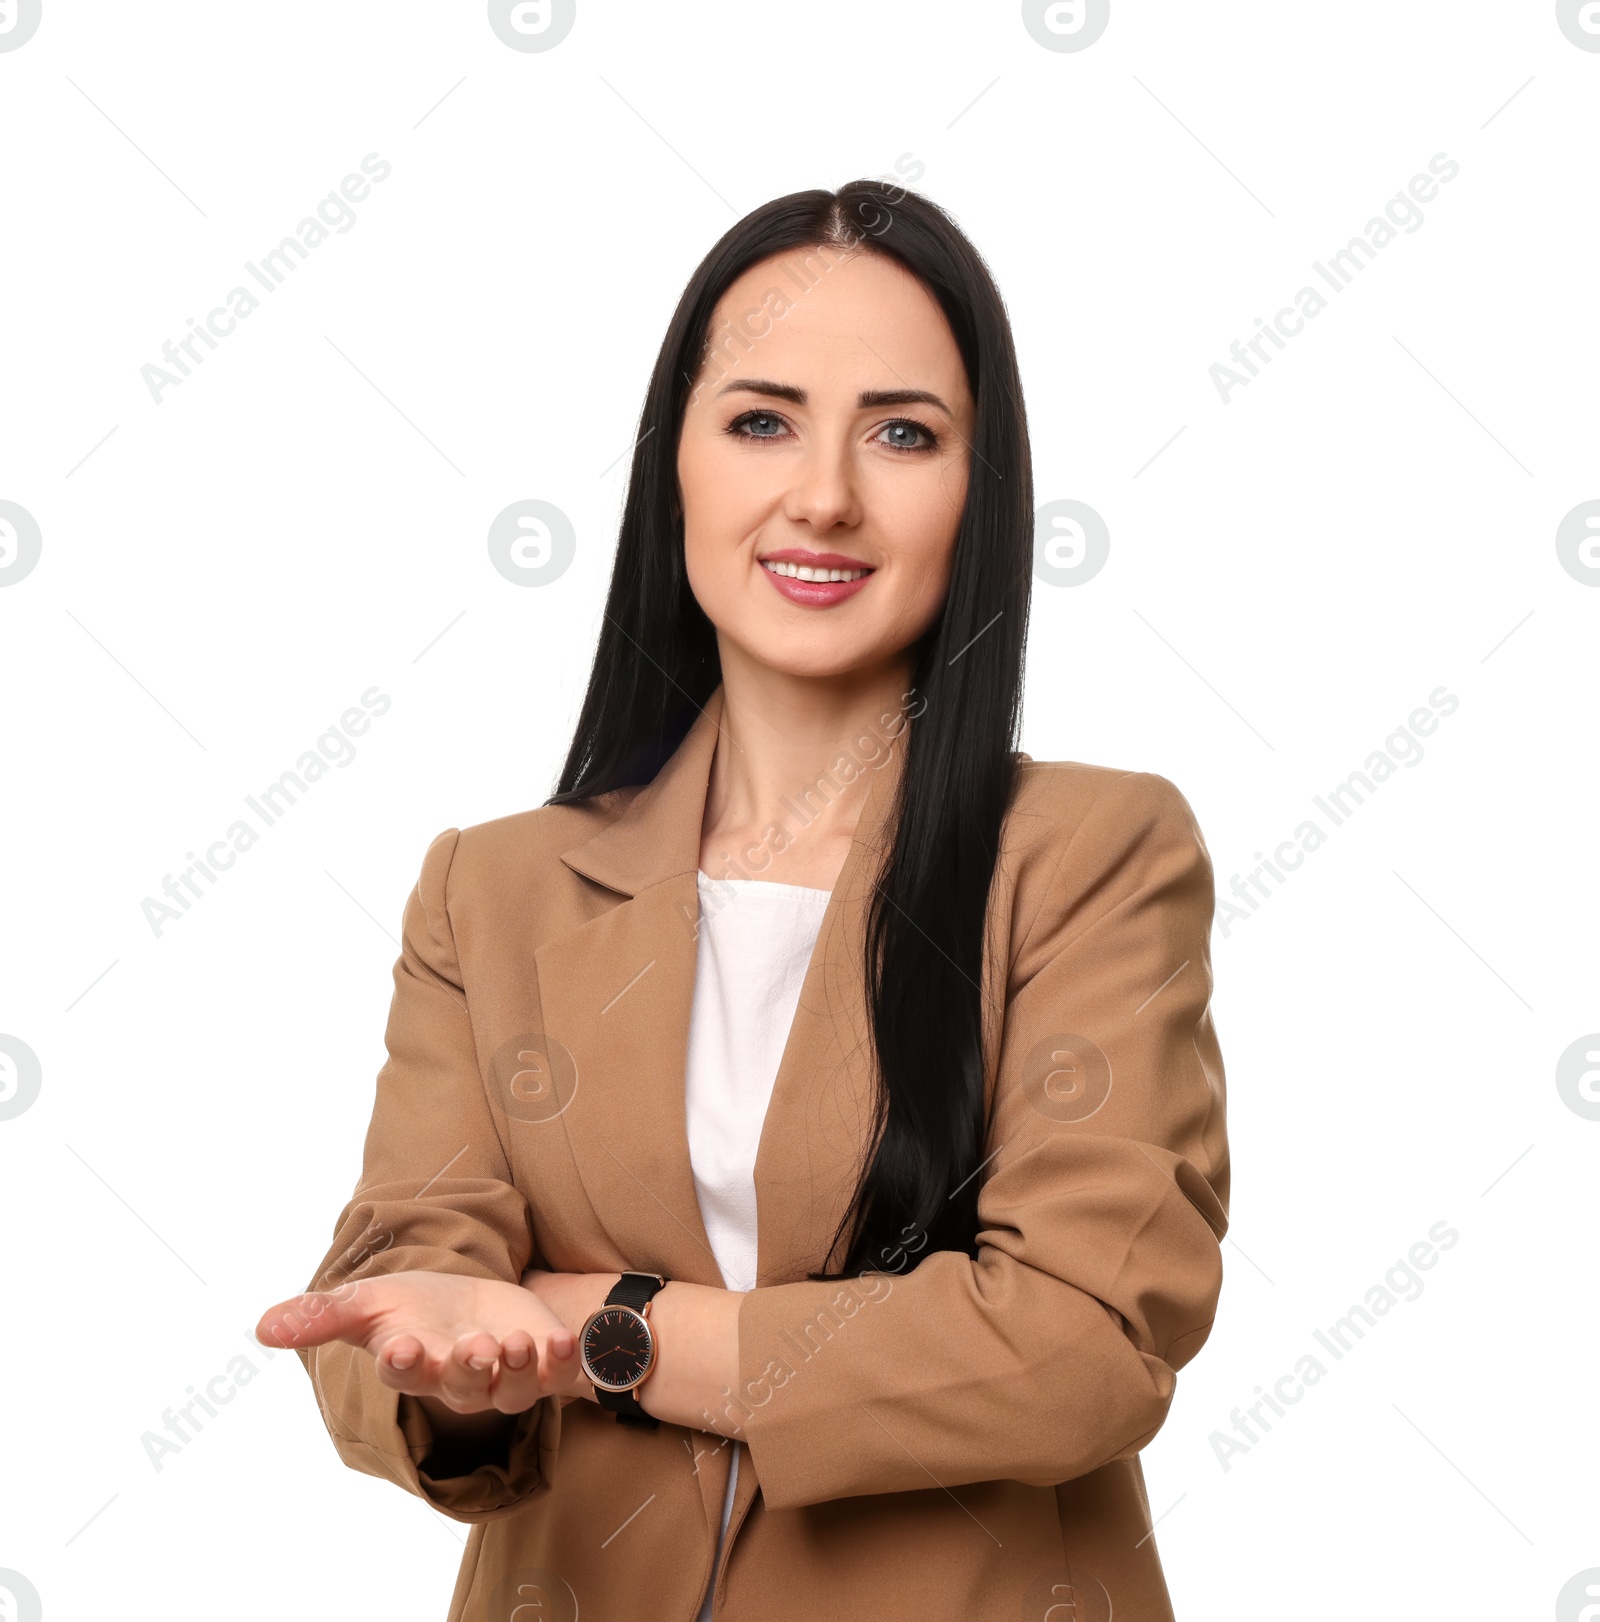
(894, 397)
(867, 399)
(760, 385)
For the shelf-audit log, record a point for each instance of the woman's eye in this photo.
(907, 436)
(758, 425)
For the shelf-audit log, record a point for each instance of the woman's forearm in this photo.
(697, 1331)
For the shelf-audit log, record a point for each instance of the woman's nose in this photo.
(824, 493)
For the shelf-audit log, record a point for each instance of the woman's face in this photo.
(830, 439)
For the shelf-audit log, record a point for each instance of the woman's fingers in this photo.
(404, 1364)
(467, 1372)
(519, 1384)
(433, 1365)
(533, 1366)
(477, 1373)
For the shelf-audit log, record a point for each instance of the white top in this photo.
(755, 943)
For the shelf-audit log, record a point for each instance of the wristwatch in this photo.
(617, 1347)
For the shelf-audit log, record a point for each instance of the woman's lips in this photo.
(815, 592)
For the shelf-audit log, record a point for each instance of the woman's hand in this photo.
(572, 1297)
(471, 1345)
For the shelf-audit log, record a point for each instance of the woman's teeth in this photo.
(804, 571)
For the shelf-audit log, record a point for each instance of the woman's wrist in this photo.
(697, 1357)
(572, 1297)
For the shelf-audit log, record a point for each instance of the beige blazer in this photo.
(947, 1438)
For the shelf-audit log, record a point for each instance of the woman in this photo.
(847, 1078)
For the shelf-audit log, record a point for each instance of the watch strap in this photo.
(635, 1290)
(625, 1405)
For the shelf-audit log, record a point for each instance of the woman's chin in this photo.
(818, 657)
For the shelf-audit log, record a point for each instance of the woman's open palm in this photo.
(473, 1344)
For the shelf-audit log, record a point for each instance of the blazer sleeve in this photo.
(435, 1194)
(1099, 1265)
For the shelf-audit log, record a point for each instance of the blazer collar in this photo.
(657, 836)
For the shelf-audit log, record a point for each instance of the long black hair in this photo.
(657, 663)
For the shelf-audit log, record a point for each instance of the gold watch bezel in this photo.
(601, 1384)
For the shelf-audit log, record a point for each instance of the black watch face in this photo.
(617, 1348)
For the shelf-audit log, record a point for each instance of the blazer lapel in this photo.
(618, 992)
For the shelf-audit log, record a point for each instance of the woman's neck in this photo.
(794, 760)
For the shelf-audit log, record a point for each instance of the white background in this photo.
(305, 517)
